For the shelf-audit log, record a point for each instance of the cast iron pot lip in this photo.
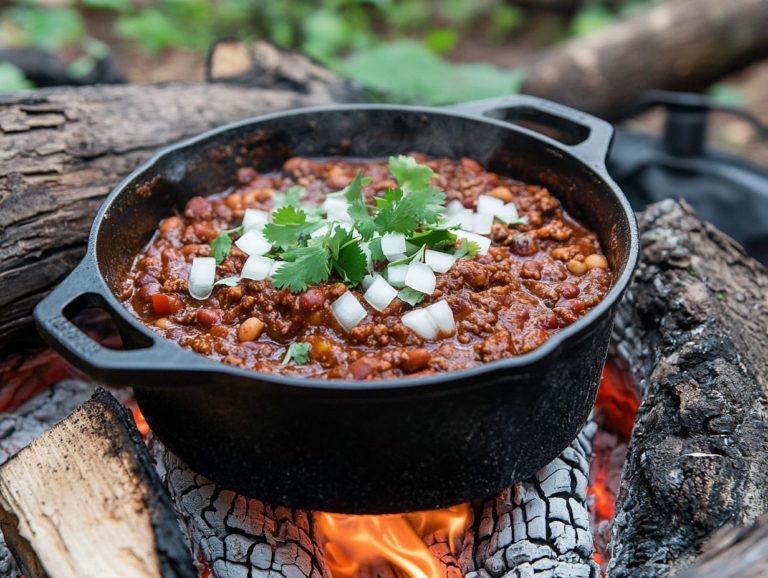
(550, 348)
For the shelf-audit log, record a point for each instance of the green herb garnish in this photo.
(222, 244)
(410, 296)
(298, 352)
(466, 249)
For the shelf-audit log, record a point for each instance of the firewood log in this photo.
(84, 499)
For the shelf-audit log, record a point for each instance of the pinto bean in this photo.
(502, 193)
(251, 329)
(596, 261)
(363, 367)
(577, 267)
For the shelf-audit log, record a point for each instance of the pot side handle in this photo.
(586, 136)
(126, 367)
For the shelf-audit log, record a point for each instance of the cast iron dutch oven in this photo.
(357, 446)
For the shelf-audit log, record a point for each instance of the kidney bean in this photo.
(208, 317)
(568, 290)
(198, 208)
(311, 299)
(363, 367)
(414, 360)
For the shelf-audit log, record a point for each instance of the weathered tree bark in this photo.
(675, 45)
(693, 326)
(84, 499)
(62, 150)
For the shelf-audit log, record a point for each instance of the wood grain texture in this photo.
(83, 501)
(694, 327)
(675, 45)
(62, 150)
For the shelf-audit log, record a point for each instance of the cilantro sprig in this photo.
(298, 352)
(312, 248)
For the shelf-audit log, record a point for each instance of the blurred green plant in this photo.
(12, 78)
(393, 47)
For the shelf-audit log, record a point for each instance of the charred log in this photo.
(693, 327)
(675, 45)
(239, 536)
(84, 498)
(539, 526)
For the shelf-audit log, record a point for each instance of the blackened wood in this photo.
(62, 150)
(734, 553)
(693, 326)
(539, 526)
(239, 536)
(676, 45)
(84, 499)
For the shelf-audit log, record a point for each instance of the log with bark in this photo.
(694, 328)
(84, 499)
(62, 150)
(674, 45)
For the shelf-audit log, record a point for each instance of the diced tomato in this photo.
(163, 304)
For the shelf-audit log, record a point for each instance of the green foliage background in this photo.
(394, 48)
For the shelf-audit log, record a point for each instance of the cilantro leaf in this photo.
(398, 213)
(410, 296)
(409, 174)
(222, 244)
(352, 264)
(304, 266)
(354, 190)
(434, 238)
(375, 248)
(299, 352)
(288, 226)
(466, 249)
(289, 198)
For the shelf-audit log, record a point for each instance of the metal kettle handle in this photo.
(590, 137)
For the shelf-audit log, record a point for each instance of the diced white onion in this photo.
(486, 204)
(463, 220)
(421, 323)
(257, 268)
(420, 277)
(395, 257)
(255, 219)
(367, 281)
(393, 244)
(253, 243)
(507, 213)
(481, 223)
(348, 311)
(453, 207)
(275, 268)
(483, 242)
(439, 262)
(442, 315)
(380, 294)
(202, 275)
(396, 275)
(336, 209)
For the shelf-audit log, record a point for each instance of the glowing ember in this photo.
(138, 417)
(354, 542)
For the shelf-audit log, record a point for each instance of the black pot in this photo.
(352, 446)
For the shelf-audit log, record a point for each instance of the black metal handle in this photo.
(81, 289)
(592, 136)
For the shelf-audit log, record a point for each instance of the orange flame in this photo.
(138, 417)
(354, 542)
